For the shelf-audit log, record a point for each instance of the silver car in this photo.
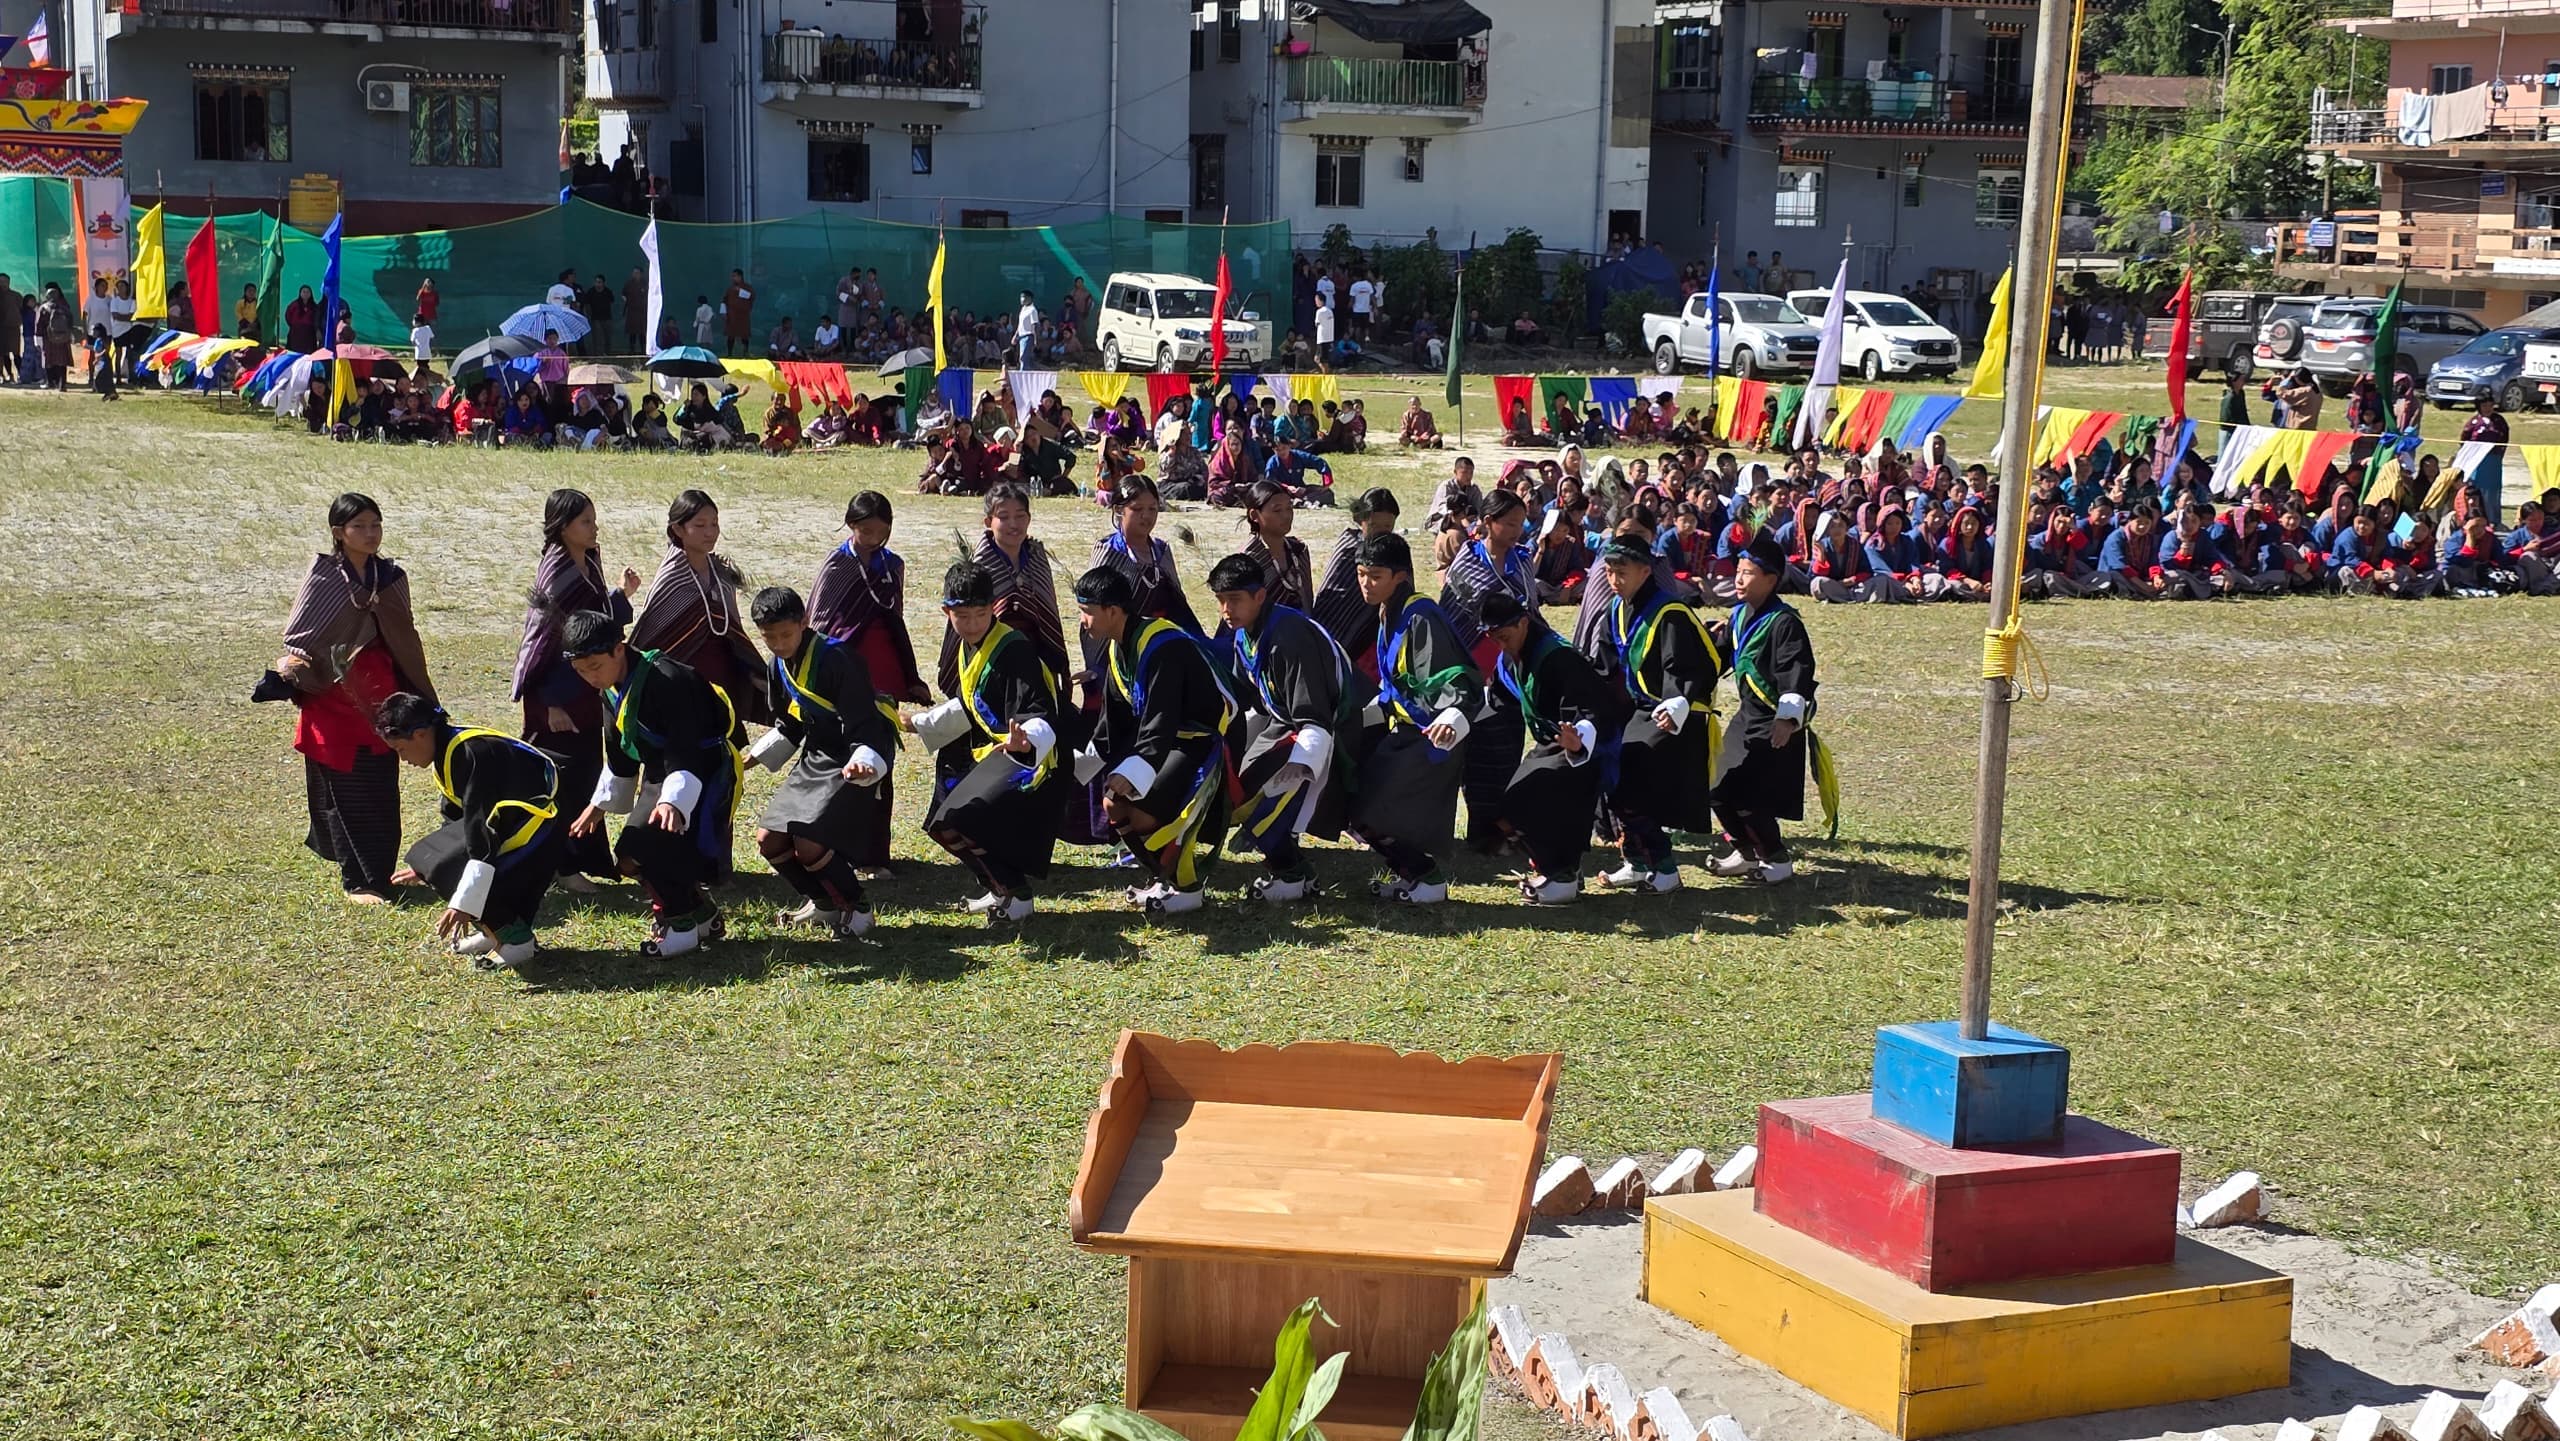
(2337, 346)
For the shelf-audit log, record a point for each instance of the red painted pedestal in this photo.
(2097, 1200)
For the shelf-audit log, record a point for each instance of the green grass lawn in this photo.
(2281, 876)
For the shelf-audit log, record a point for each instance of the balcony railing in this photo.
(619, 78)
(1401, 84)
(2365, 238)
(2332, 126)
(1885, 106)
(813, 57)
(517, 17)
(2524, 118)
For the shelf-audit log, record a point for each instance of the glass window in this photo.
(1696, 58)
(1208, 171)
(1230, 31)
(1997, 196)
(244, 120)
(451, 125)
(1338, 179)
(920, 154)
(840, 170)
(2446, 79)
(1799, 197)
(1912, 184)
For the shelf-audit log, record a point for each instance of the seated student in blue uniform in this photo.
(2129, 562)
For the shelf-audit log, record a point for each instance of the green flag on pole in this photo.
(1457, 336)
(2386, 355)
(271, 285)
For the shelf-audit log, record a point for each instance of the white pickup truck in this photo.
(1761, 335)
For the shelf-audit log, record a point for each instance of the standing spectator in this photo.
(552, 369)
(302, 323)
(12, 325)
(1026, 332)
(596, 303)
(1363, 295)
(703, 315)
(563, 291)
(635, 312)
(737, 308)
(53, 331)
(1324, 328)
(244, 314)
(1746, 276)
(428, 299)
(422, 338)
(2235, 404)
(2486, 422)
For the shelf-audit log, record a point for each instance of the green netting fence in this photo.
(485, 272)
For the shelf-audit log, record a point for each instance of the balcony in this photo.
(1436, 92)
(627, 79)
(2525, 125)
(1843, 106)
(541, 20)
(2514, 247)
(803, 64)
(1690, 111)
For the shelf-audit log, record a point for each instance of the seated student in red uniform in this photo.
(2053, 568)
(1964, 559)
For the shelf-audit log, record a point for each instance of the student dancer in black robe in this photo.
(1571, 715)
(1270, 513)
(1495, 563)
(1304, 703)
(671, 739)
(831, 799)
(690, 612)
(1767, 747)
(1000, 792)
(1163, 739)
(1668, 665)
(561, 713)
(1407, 809)
(860, 599)
(1339, 608)
(493, 858)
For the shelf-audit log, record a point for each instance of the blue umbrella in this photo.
(531, 321)
(686, 362)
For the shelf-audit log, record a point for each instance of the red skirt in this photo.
(335, 726)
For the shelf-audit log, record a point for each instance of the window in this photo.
(1208, 171)
(1799, 197)
(244, 118)
(840, 170)
(1825, 42)
(1199, 36)
(1914, 181)
(710, 30)
(454, 125)
(608, 25)
(1413, 149)
(646, 12)
(1230, 31)
(985, 219)
(920, 153)
(1706, 191)
(1696, 55)
(2447, 79)
(1338, 179)
(1997, 196)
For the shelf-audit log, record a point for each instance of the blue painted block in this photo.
(2007, 1089)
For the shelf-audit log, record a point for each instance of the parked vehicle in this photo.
(2225, 335)
(1163, 321)
(2280, 328)
(2500, 364)
(1885, 334)
(2337, 346)
(1758, 334)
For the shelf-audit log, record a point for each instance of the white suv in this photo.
(1884, 334)
(1161, 322)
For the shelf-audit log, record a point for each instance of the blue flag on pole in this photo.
(329, 240)
(1715, 312)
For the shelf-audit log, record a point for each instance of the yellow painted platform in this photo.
(2208, 1324)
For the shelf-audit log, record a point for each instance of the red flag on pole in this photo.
(2179, 334)
(1218, 322)
(204, 279)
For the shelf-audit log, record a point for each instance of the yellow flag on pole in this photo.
(1990, 376)
(933, 298)
(150, 268)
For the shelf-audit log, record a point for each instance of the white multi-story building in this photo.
(1396, 120)
(904, 110)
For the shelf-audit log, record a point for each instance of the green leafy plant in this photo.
(1453, 1387)
(1336, 251)
(1573, 292)
(1285, 1409)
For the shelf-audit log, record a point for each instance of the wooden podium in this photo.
(1240, 1183)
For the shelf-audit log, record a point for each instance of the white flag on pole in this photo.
(1826, 364)
(657, 291)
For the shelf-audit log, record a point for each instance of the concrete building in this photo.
(428, 113)
(1397, 120)
(757, 109)
(1791, 126)
(2467, 140)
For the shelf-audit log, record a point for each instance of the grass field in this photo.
(2281, 874)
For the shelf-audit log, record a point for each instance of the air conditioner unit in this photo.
(389, 96)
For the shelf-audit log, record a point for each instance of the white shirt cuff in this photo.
(471, 897)
(1088, 766)
(1044, 740)
(1791, 707)
(865, 758)
(1314, 749)
(683, 790)
(1140, 775)
(614, 793)
(1676, 710)
(772, 750)
(943, 724)
(1590, 742)
(1456, 720)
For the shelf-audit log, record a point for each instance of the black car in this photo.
(2227, 328)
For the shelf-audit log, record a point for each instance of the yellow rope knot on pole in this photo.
(2003, 652)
